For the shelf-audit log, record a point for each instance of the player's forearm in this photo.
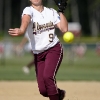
(63, 23)
(24, 25)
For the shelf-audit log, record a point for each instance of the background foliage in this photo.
(86, 12)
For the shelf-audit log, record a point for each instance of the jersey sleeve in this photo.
(27, 11)
(56, 17)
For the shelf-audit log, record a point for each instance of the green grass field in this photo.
(72, 68)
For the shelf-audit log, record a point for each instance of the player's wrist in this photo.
(60, 11)
(62, 4)
(21, 31)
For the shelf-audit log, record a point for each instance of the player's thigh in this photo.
(53, 61)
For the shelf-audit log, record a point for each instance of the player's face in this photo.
(36, 2)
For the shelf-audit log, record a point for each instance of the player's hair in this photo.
(29, 2)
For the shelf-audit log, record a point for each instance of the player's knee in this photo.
(47, 78)
(43, 92)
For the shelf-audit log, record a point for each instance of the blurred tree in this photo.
(7, 15)
(94, 16)
(23, 4)
(83, 16)
(16, 16)
(74, 11)
(1, 15)
(50, 3)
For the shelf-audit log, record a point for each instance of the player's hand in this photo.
(18, 50)
(14, 32)
(62, 4)
(19, 47)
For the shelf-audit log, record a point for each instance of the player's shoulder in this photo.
(27, 8)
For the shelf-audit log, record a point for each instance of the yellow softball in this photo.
(68, 37)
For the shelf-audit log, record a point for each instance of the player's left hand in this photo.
(14, 32)
(62, 4)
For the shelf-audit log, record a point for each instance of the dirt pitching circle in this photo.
(28, 90)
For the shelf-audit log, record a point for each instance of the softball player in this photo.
(48, 53)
